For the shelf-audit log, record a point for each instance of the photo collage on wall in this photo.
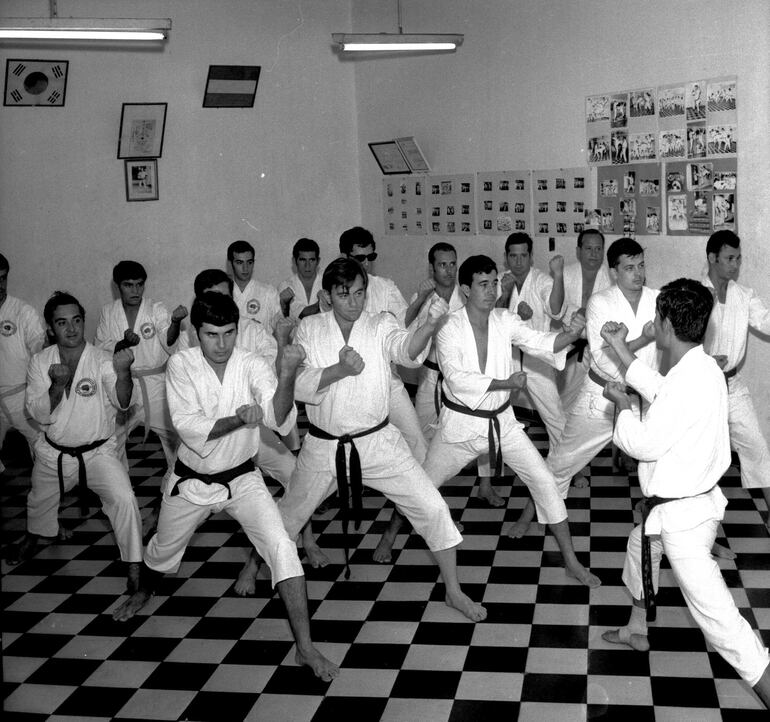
(404, 206)
(695, 119)
(560, 201)
(701, 196)
(450, 205)
(629, 200)
(503, 202)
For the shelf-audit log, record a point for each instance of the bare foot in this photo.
(24, 550)
(722, 552)
(64, 533)
(465, 605)
(322, 668)
(383, 552)
(246, 584)
(580, 481)
(131, 606)
(583, 575)
(315, 556)
(519, 529)
(638, 642)
(488, 493)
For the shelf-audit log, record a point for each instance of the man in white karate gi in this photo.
(74, 391)
(382, 295)
(275, 459)
(146, 326)
(474, 353)
(218, 394)
(737, 308)
(300, 290)
(345, 384)
(683, 448)
(21, 336)
(588, 428)
(255, 300)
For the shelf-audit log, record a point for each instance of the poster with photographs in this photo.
(404, 206)
(503, 203)
(622, 127)
(629, 200)
(701, 196)
(560, 198)
(449, 204)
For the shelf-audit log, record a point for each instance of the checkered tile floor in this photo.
(199, 652)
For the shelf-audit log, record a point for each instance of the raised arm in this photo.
(424, 292)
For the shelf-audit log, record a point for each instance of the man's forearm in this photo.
(624, 352)
(638, 343)
(283, 399)
(505, 298)
(420, 339)
(330, 375)
(124, 387)
(173, 332)
(564, 339)
(55, 393)
(224, 426)
(556, 299)
(414, 308)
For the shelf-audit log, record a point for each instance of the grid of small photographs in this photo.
(503, 202)
(629, 200)
(450, 205)
(701, 196)
(560, 200)
(697, 119)
(404, 206)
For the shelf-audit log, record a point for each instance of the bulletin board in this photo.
(560, 198)
(404, 206)
(504, 202)
(450, 204)
(629, 199)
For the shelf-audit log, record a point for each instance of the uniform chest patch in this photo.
(147, 330)
(7, 327)
(253, 306)
(85, 387)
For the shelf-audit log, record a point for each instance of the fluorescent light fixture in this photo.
(388, 42)
(84, 29)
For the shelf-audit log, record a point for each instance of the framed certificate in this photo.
(389, 157)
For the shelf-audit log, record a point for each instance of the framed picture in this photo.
(141, 179)
(141, 130)
(414, 156)
(389, 158)
(35, 82)
(231, 86)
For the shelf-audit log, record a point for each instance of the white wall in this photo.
(270, 174)
(513, 95)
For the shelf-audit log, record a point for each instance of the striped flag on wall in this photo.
(231, 86)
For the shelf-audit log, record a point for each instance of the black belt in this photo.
(494, 427)
(77, 452)
(353, 487)
(223, 478)
(729, 374)
(433, 366)
(647, 504)
(601, 381)
(578, 349)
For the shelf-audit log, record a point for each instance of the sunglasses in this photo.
(361, 257)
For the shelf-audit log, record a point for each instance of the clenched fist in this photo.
(524, 310)
(179, 314)
(249, 414)
(292, 357)
(350, 361)
(556, 265)
(426, 287)
(122, 360)
(437, 310)
(286, 296)
(283, 329)
(613, 332)
(517, 380)
(59, 374)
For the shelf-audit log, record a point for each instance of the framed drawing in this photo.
(35, 82)
(141, 180)
(413, 155)
(389, 158)
(141, 130)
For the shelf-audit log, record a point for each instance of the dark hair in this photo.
(355, 236)
(588, 231)
(622, 247)
(305, 245)
(516, 238)
(128, 271)
(343, 272)
(719, 239)
(473, 265)
(239, 247)
(4, 263)
(211, 277)
(687, 305)
(214, 308)
(440, 247)
(60, 298)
